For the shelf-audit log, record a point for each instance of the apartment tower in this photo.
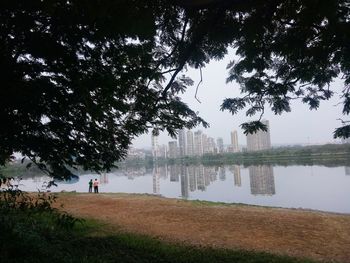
(260, 140)
(182, 143)
(172, 149)
(189, 145)
(198, 143)
(154, 141)
(234, 141)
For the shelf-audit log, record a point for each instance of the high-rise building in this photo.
(234, 141)
(190, 145)
(172, 149)
(182, 143)
(205, 143)
(211, 145)
(220, 145)
(154, 141)
(198, 143)
(162, 151)
(262, 181)
(259, 140)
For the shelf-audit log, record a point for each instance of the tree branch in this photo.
(203, 4)
(168, 71)
(172, 52)
(202, 30)
(195, 96)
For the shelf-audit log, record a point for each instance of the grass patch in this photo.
(45, 242)
(214, 203)
(32, 231)
(208, 203)
(135, 248)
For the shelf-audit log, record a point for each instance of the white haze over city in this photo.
(300, 126)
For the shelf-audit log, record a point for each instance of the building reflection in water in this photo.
(104, 178)
(133, 172)
(174, 172)
(199, 177)
(184, 182)
(236, 171)
(199, 173)
(156, 179)
(157, 174)
(222, 173)
(191, 178)
(347, 170)
(262, 180)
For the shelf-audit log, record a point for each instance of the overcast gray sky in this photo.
(299, 126)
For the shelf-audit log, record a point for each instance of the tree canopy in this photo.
(81, 79)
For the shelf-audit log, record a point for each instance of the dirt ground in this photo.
(316, 235)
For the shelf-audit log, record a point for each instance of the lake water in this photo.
(307, 187)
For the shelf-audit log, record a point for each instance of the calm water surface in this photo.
(308, 187)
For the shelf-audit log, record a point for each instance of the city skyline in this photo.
(193, 143)
(239, 143)
(197, 143)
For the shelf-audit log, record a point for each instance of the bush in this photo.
(29, 225)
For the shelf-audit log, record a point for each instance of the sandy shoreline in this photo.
(294, 232)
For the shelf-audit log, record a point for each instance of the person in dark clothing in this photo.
(90, 186)
(95, 186)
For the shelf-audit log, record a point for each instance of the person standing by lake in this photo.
(90, 186)
(95, 186)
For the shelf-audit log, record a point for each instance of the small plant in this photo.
(29, 223)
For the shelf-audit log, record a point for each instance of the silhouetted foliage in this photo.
(81, 79)
(290, 50)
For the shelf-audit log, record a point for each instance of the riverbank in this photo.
(328, 155)
(296, 233)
